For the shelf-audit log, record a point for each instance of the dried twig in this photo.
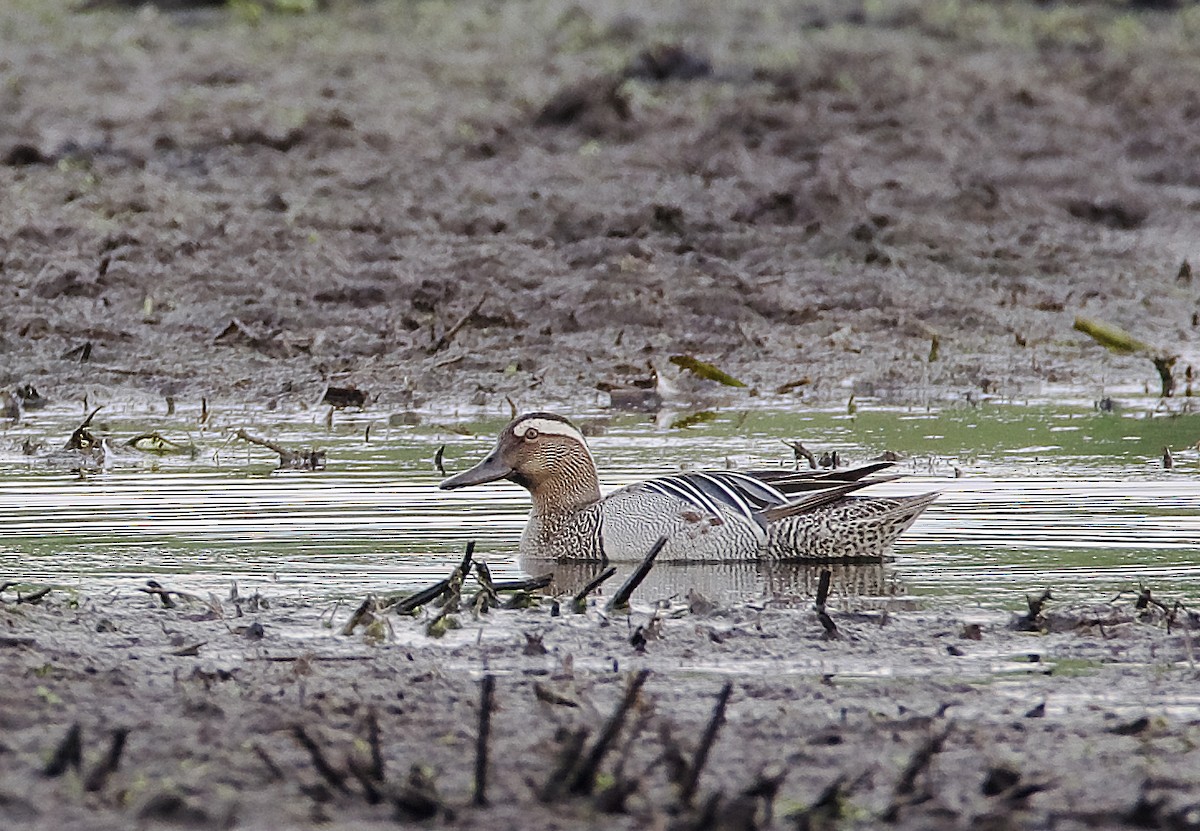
(802, 452)
(449, 334)
(486, 700)
(34, 596)
(334, 777)
(688, 788)
(620, 600)
(68, 753)
(831, 630)
(307, 459)
(584, 778)
(579, 602)
(109, 764)
(532, 584)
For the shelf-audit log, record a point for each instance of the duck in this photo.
(704, 516)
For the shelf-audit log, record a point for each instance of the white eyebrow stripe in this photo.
(548, 427)
(551, 427)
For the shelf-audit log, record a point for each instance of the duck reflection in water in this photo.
(725, 583)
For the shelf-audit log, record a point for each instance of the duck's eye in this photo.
(531, 434)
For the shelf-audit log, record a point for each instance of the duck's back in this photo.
(719, 515)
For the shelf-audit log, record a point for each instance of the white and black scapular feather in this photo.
(705, 516)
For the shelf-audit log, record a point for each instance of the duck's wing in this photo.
(788, 481)
(720, 492)
(832, 492)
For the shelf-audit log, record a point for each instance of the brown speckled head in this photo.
(543, 453)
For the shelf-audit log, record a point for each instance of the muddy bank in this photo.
(257, 713)
(471, 201)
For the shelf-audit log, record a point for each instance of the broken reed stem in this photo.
(362, 612)
(465, 567)
(688, 790)
(365, 781)
(422, 597)
(802, 452)
(68, 753)
(568, 757)
(584, 779)
(487, 694)
(449, 334)
(408, 604)
(111, 761)
(1165, 365)
(823, 582)
(377, 771)
(35, 596)
(620, 600)
(328, 772)
(532, 584)
(579, 602)
(919, 762)
(283, 452)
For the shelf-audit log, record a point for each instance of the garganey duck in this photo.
(706, 516)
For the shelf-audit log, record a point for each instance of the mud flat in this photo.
(466, 201)
(455, 203)
(257, 712)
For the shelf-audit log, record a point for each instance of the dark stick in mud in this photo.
(68, 753)
(422, 597)
(35, 596)
(831, 630)
(449, 334)
(334, 777)
(360, 614)
(532, 584)
(263, 756)
(408, 604)
(906, 784)
(568, 758)
(307, 459)
(620, 600)
(377, 769)
(579, 602)
(688, 789)
(109, 764)
(487, 693)
(466, 560)
(584, 778)
(363, 776)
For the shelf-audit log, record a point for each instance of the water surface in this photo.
(1052, 495)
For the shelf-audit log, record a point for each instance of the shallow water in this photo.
(1054, 495)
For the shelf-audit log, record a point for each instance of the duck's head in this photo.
(543, 453)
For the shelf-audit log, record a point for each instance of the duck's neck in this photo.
(569, 491)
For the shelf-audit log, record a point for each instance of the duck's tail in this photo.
(855, 528)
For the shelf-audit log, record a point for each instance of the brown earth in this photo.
(793, 191)
(241, 204)
(910, 720)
